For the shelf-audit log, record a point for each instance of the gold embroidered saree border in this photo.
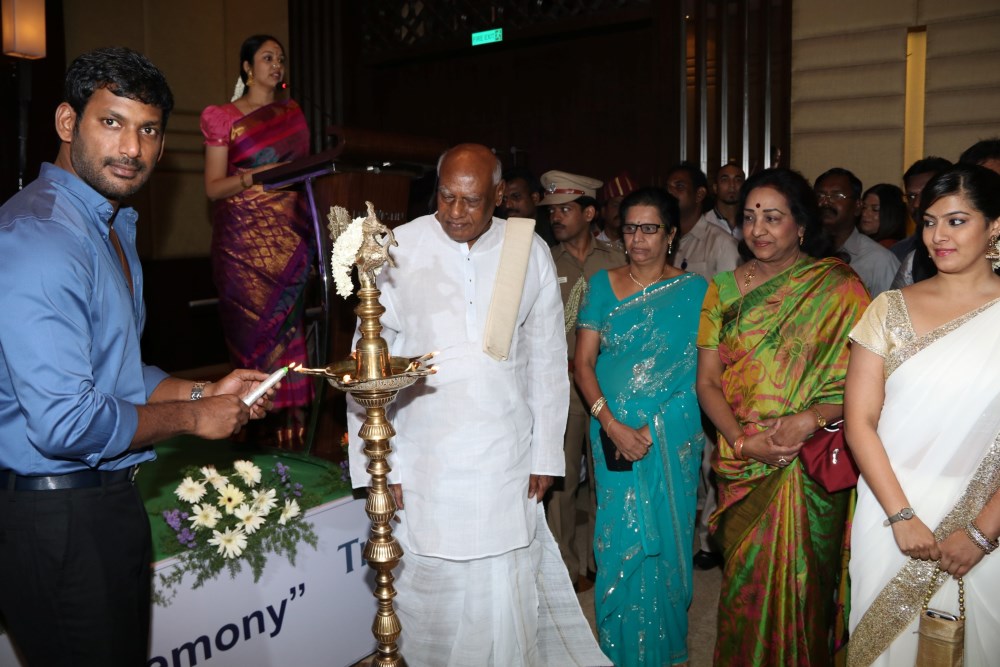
(919, 343)
(902, 598)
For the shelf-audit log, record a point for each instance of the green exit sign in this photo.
(487, 37)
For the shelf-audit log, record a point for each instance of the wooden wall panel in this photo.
(963, 80)
(863, 48)
(848, 89)
(856, 49)
(865, 149)
(573, 104)
(815, 18)
(605, 86)
(938, 12)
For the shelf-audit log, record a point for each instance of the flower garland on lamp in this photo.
(344, 253)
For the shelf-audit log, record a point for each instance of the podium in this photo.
(361, 165)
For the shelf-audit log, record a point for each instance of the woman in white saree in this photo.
(922, 409)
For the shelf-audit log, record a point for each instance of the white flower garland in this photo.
(239, 89)
(344, 256)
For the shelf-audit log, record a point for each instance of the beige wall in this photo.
(849, 82)
(196, 44)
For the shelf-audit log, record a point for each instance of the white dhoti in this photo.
(517, 609)
(481, 580)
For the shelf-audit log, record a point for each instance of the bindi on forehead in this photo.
(757, 205)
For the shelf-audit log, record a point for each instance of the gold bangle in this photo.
(820, 419)
(243, 182)
(598, 405)
(738, 447)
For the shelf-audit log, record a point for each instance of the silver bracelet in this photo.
(979, 538)
(598, 405)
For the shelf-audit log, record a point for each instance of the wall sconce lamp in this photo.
(24, 39)
(24, 28)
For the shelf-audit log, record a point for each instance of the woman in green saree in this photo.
(635, 365)
(771, 366)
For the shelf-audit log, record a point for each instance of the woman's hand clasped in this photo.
(959, 554)
(916, 540)
(772, 446)
(632, 444)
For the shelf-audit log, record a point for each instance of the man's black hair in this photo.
(840, 171)
(981, 151)
(524, 174)
(931, 164)
(123, 72)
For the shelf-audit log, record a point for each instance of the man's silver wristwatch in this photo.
(904, 514)
(197, 389)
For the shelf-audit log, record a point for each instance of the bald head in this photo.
(473, 152)
(469, 189)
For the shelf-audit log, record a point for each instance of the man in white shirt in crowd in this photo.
(726, 215)
(477, 444)
(704, 248)
(838, 192)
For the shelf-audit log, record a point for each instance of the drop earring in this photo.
(993, 250)
(250, 78)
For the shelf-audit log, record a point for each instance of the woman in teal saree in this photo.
(635, 365)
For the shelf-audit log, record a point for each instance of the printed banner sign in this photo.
(318, 612)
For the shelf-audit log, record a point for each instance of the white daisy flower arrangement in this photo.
(229, 519)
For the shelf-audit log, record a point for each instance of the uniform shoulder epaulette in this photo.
(609, 246)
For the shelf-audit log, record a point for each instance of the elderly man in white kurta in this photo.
(478, 443)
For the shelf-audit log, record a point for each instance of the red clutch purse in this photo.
(827, 460)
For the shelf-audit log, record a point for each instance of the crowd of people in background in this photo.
(697, 421)
(670, 349)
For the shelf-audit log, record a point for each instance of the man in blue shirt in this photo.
(79, 410)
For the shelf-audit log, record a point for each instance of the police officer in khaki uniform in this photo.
(572, 205)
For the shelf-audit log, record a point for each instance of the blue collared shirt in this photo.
(71, 372)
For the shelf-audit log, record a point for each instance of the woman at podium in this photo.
(261, 246)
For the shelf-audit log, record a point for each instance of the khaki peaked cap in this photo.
(562, 187)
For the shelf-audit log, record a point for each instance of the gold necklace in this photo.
(645, 287)
(749, 275)
(747, 278)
